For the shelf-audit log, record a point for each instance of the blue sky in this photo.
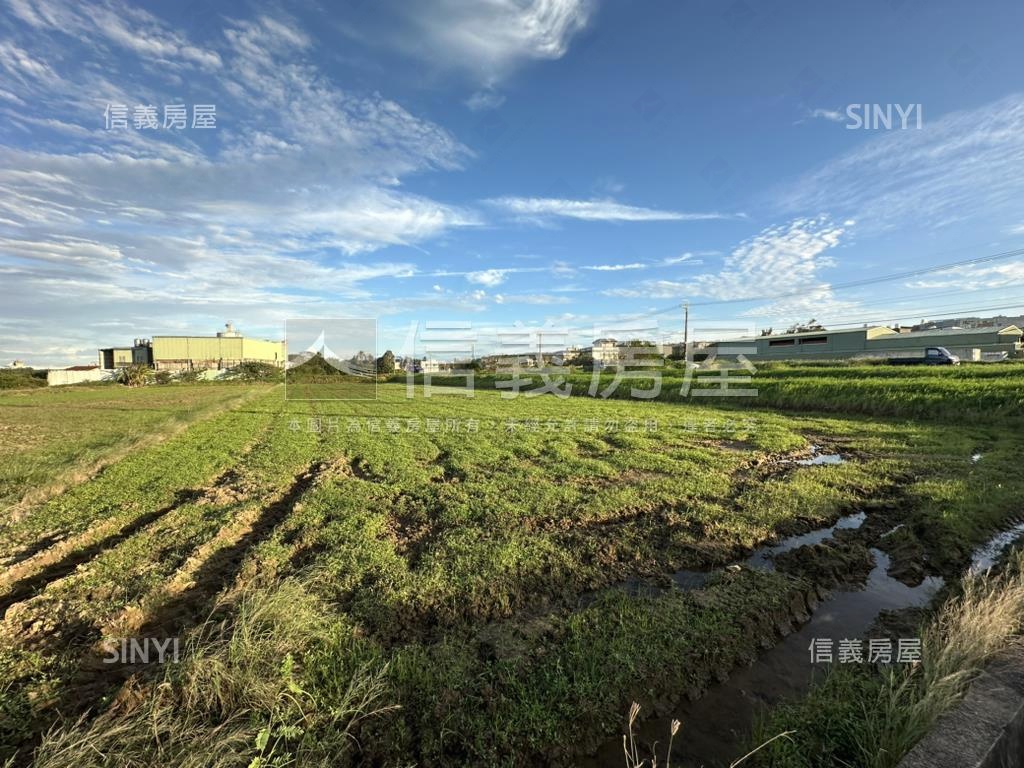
(569, 164)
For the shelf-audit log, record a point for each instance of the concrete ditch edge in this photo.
(986, 728)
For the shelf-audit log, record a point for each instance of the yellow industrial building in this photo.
(182, 353)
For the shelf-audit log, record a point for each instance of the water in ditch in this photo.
(716, 727)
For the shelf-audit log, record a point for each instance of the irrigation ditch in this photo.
(861, 591)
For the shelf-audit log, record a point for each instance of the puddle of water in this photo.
(821, 458)
(988, 554)
(763, 558)
(818, 458)
(715, 727)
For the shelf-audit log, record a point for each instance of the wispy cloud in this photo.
(120, 24)
(490, 39)
(964, 165)
(298, 178)
(529, 298)
(974, 277)
(592, 210)
(781, 260)
(832, 115)
(485, 98)
(615, 267)
(652, 289)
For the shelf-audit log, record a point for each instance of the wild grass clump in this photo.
(239, 698)
(967, 631)
(863, 717)
(633, 754)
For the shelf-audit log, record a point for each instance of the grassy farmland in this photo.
(435, 581)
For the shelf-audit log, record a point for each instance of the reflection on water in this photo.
(987, 555)
(716, 727)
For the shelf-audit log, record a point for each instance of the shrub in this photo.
(22, 378)
(255, 371)
(135, 375)
(191, 376)
(386, 363)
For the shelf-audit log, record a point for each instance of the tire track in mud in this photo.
(76, 476)
(63, 558)
(189, 598)
(66, 559)
(217, 563)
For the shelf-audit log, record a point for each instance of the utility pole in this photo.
(540, 349)
(686, 325)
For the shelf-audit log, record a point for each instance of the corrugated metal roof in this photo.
(822, 332)
(963, 331)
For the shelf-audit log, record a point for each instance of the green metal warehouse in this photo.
(820, 345)
(876, 341)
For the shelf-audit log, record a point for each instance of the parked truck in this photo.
(932, 356)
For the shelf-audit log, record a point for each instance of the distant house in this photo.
(567, 356)
(605, 353)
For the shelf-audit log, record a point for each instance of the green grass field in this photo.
(432, 581)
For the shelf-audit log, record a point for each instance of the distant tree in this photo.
(386, 363)
(22, 378)
(252, 370)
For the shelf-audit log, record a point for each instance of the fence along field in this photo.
(439, 580)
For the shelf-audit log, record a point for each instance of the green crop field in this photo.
(439, 581)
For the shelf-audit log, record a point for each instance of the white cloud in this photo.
(488, 277)
(652, 289)
(832, 115)
(182, 231)
(121, 24)
(782, 259)
(785, 260)
(489, 39)
(974, 277)
(615, 267)
(591, 210)
(672, 260)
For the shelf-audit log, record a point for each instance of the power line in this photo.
(851, 284)
(831, 323)
(1018, 305)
